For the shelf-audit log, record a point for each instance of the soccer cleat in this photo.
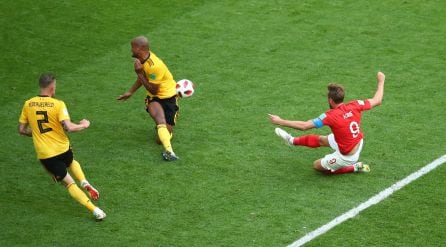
(284, 135)
(99, 214)
(360, 167)
(94, 194)
(169, 156)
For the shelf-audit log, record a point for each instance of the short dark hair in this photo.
(46, 79)
(141, 41)
(336, 92)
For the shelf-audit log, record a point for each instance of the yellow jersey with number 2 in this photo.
(44, 115)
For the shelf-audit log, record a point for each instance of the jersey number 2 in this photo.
(40, 122)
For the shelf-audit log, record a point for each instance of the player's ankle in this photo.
(84, 183)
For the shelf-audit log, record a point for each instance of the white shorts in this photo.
(337, 160)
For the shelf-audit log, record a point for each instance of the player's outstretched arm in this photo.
(379, 94)
(130, 92)
(299, 125)
(73, 127)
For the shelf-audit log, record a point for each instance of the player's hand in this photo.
(274, 118)
(124, 96)
(380, 77)
(85, 123)
(138, 66)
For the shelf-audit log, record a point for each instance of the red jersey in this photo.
(344, 122)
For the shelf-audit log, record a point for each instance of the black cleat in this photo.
(169, 156)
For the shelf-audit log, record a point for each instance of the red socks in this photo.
(347, 169)
(311, 141)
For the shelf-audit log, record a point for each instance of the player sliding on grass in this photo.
(162, 99)
(344, 121)
(47, 118)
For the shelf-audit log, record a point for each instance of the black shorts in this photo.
(170, 107)
(58, 164)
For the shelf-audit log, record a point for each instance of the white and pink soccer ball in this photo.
(185, 88)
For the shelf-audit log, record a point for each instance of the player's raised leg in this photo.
(312, 141)
(284, 135)
(76, 170)
(80, 196)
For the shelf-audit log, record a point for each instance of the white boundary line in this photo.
(373, 200)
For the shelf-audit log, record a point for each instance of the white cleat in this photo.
(360, 167)
(99, 214)
(285, 136)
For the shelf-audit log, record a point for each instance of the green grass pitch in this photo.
(236, 184)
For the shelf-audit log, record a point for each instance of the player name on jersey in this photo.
(40, 104)
(348, 114)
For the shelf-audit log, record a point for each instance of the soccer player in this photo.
(162, 98)
(344, 121)
(45, 118)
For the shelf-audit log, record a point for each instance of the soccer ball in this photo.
(185, 88)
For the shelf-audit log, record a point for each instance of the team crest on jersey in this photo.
(152, 76)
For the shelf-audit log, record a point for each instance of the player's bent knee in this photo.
(68, 180)
(318, 166)
(159, 120)
(323, 141)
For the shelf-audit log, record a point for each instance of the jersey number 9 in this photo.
(354, 129)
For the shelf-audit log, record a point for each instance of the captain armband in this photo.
(318, 123)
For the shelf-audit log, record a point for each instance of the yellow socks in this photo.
(76, 170)
(164, 136)
(80, 196)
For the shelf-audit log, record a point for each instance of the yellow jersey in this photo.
(44, 115)
(157, 72)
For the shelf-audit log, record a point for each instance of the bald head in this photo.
(140, 48)
(141, 42)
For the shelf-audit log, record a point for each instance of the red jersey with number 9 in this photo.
(344, 122)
